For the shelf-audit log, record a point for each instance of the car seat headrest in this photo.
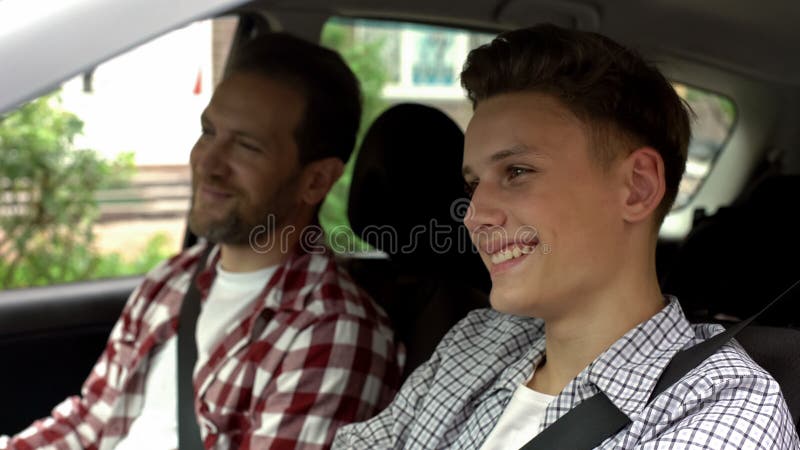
(407, 189)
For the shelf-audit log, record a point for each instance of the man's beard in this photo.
(236, 228)
(232, 230)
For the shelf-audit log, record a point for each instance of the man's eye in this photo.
(206, 131)
(249, 146)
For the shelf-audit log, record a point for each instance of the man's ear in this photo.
(643, 173)
(318, 177)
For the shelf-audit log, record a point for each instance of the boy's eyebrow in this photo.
(501, 155)
(512, 151)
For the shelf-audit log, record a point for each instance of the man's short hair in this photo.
(332, 110)
(624, 101)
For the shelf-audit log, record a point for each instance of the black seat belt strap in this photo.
(686, 360)
(189, 437)
(583, 427)
(596, 419)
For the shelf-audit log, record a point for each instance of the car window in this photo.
(94, 175)
(408, 62)
(396, 62)
(714, 118)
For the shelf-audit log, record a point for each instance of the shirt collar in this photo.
(289, 284)
(207, 275)
(518, 367)
(628, 371)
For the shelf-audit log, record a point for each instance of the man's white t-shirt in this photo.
(231, 294)
(520, 421)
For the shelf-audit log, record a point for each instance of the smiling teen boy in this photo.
(573, 158)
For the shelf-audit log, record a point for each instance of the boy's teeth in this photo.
(507, 254)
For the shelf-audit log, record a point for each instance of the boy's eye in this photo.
(469, 187)
(514, 172)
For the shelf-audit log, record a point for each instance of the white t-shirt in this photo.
(231, 294)
(520, 421)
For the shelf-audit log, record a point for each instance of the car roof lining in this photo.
(757, 39)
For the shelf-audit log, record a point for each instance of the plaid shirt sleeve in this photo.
(335, 371)
(724, 413)
(77, 422)
(391, 428)
(62, 429)
(85, 421)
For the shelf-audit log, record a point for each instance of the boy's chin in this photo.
(511, 301)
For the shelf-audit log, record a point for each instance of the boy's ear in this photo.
(317, 179)
(644, 184)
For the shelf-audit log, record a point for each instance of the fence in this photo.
(156, 192)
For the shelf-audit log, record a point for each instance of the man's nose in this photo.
(212, 157)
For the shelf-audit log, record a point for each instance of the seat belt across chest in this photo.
(189, 437)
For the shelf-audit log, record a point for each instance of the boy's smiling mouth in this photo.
(512, 251)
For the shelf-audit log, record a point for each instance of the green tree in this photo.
(48, 206)
(364, 59)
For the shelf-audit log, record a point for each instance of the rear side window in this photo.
(94, 176)
(714, 118)
(396, 62)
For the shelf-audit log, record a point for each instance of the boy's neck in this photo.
(577, 338)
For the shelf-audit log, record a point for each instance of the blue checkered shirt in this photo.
(456, 398)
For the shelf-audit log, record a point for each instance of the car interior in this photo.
(424, 291)
(725, 253)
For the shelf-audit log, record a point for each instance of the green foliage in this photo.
(48, 206)
(88, 265)
(158, 248)
(364, 58)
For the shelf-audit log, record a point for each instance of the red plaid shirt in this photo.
(312, 354)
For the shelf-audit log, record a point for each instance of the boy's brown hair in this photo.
(625, 102)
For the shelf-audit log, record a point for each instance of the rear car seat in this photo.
(405, 200)
(737, 260)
